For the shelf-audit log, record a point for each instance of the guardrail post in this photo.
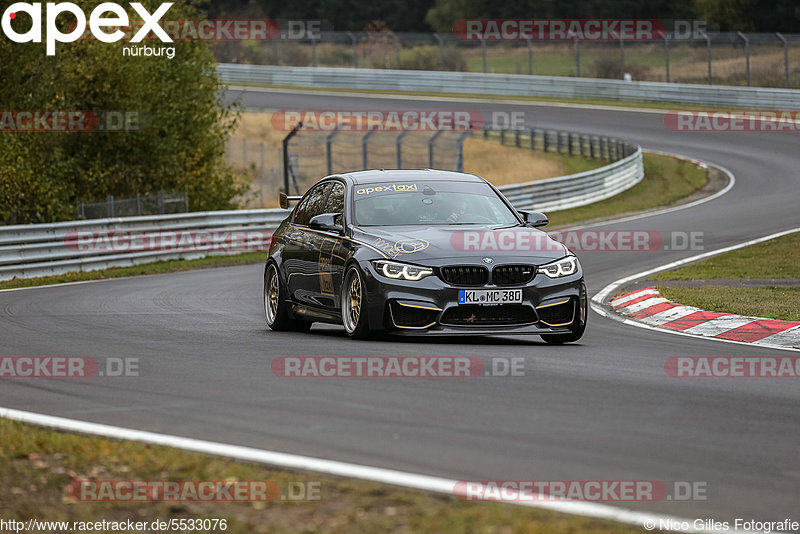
(516, 138)
(569, 143)
(666, 54)
(502, 137)
(581, 139)
(329, 150)
(785, 56)
(591, 147)
(139, 204)
(746, 54)
(186, 198)
(558, 142)
(110, 205)
(431, 144)
(544, 141)
(160, 202)
(533, 139)
(600, 147)
(460, 150)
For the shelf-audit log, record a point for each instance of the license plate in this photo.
(490, 297)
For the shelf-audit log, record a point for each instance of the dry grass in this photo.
(503, 165)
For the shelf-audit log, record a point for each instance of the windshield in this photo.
(430, 204)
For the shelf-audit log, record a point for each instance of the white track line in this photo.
(330, 467)
(599, 298)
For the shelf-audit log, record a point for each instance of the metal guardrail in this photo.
(28, 251)
(509, 84)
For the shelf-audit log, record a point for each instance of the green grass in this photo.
(666, 181)
(773, 302)
(147, 268)
(654, 105)
(777, 258)
(37, 465)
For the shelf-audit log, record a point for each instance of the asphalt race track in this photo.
(603, 409)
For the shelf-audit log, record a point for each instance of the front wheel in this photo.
(354, 305)
(276, 309)
(577, 329)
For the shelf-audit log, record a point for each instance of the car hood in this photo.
(437, 245)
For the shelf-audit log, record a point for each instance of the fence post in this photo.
(533, 139)
(544, 141)
(581, 139)
(161, 202)
(285, 144)
(364, 149)
(110, 206)
(186, 198)
(569, 143)
(431, 142)
(329, 150)
(399, 144)
(746, 54)
(355, 50)
(138, 204)
(460, 150)
(261, 148)
(314, 52)
(666, 54)
(577, 47)
(440, 41)
(708, 53)
(516, 138)
(785, 56)
(591, 147)
(558, 142)
(503, 136)
(530, 57)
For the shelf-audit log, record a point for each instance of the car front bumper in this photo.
(432, 304)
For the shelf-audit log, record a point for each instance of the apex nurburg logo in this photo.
(97, 23)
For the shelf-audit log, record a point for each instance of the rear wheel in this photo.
(276, 309)
(354, 305)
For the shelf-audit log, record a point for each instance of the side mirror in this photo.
(534, 219)
(327, 222)
(284, 199)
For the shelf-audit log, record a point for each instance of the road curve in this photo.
(601, 409)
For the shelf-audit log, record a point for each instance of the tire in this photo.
(276, 309)
(576, 332)
(354, 305)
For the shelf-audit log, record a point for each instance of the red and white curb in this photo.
(649, 307)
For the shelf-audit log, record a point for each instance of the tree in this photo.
(180, 142)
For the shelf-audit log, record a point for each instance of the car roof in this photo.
(377, 176)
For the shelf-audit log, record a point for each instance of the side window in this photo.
(335, 203)
(312, 205)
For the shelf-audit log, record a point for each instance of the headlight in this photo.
(563, 267)
(401, 271)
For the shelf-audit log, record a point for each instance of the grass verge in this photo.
(773, 302)
(134, 270)
(649, 105)
(777, 258)
(666, 181)
(37, 471)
